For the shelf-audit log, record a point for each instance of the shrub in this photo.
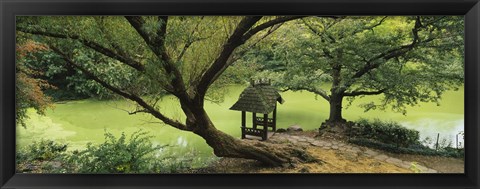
(173, 163)
(116, 155)
(134, 154)
(43, 150)
(386, 132)
(414, 149)
(41, 157)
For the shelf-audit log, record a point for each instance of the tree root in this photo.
(288, 155)
(276, 155)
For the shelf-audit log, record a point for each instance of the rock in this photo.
(394, 161)
(295, 137)
(355, 149)
(370, 153)
(281, 130)
(406, 165)
(337, 130)
(381, 157)
(295, 128)
(310, 139)
(316, 143)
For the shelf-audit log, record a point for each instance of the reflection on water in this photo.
(446, 129)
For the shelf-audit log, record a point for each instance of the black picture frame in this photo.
(11, 8)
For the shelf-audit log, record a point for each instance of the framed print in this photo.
(187, 94)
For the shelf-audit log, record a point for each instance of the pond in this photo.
(80, 122)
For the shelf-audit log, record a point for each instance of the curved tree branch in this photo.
(150, 109)
(90, 44)
(220, 63)
(242, 33)
(359, 93)
(268, 24)
(320, 92)
(156, 42)
(393, 53)
(191, 39)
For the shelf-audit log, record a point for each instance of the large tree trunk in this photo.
(336, 96)
(225, 145)
(271, 154)
(336, 108)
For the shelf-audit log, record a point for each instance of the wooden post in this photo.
(436, 145)
(254, 120)
(243, 124)
(456, 141)
(265, 126)
(274, 118)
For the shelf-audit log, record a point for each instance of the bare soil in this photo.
(333, 162)
(337, 161)
(441, 164)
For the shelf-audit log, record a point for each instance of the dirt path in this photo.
(441, 164)
(352, 152)
(340, 157)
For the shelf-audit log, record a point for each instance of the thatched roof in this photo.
(259, 98)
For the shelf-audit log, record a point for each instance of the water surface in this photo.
(80, 122)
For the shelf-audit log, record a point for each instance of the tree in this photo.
(407, 60)
(181, 56)
(28, 88)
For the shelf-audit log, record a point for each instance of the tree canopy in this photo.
(142, 58)
(407, 60)
(29, 87)
(183, 56)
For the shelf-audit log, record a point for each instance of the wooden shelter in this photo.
(259, 97)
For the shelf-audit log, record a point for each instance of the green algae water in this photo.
(85, 121)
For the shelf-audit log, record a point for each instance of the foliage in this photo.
(175, 163)
(193, 42)
(70, 83)
(407, 60)
(238, 73)
(416, 149)
(43, 150)
(117, 155)
(29, 88)
(391, 137)
(58, 80)
(384, 132)
(414, 167)
(44, 156)
(181, 56)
